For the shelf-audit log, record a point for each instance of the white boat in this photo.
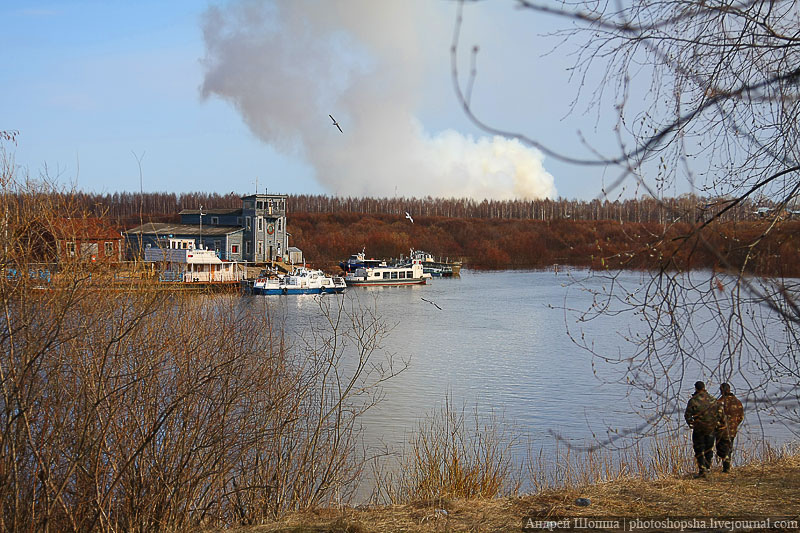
(301, 281)
(306, 281)
(178, 260)
(383, 274)
(267, 286)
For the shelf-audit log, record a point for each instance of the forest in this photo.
(636, 233)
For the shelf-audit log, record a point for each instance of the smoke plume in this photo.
(286, 66)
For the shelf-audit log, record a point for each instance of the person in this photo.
(702, 415)
(732, 414)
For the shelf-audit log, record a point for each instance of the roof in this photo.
(293, 249)
(265, 196)
(85, 228)
(163, 229)
(221, 211)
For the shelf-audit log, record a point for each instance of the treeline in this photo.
(499, 243)
(686, 207)
(127, 207)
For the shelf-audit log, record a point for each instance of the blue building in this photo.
(255, 233)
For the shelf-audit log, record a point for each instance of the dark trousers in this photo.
(703, 444)
(724, 449)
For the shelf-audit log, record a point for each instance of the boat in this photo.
(359, 260)
(180, 261)
(267, 286)
(387, 275)
(301, 281)
(441, 268)
(307, 281)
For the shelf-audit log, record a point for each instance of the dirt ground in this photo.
(741, 500)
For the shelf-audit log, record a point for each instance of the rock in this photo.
(583, 502)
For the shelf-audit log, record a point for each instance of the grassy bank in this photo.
(766, 487)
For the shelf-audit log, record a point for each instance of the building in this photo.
(225, 241)
(263, 219)
(256, 233)
(87, 239)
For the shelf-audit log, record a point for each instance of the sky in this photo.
(235, 96)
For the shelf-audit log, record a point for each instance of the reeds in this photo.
(453, 454)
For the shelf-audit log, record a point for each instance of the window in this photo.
(214, 221)
(71, 248)
(386, 275)
(248, 223)
(279, 223)
(260, 224)
(260, 248)
(108, 249)
(409, 274)
(238, 221)
(217, 244)
(394, 275)
(247, 247)
(234, 248)
(403, 274)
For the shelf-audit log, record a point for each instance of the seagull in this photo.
(409, 217)
(432, 303)
(336, 124)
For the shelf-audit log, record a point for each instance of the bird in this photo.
(409, 217)
(432, 303)
(336, 124)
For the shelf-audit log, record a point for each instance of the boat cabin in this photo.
(180, 261)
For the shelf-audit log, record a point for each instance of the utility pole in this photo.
(201, 227)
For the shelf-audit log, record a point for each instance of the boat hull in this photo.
(384, 283)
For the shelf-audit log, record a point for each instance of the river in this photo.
(498, 343)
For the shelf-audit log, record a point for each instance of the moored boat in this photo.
(306, 281)
(359, 260)
(387, 275)
(267, 286)
(301, 281)
(437, 268)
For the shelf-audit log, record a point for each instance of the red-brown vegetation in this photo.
(326, 238)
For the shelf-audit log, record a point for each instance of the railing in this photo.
(199, 277)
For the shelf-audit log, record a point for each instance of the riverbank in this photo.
(751, 492)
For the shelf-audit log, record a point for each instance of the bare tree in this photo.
(704, 93)
(123, 407)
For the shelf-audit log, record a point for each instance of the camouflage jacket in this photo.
(703, 413)
(732, 414)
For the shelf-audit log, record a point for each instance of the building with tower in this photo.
(255, 233)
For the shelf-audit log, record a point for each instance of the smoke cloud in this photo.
(286, 66)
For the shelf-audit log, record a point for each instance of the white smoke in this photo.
(286, 66)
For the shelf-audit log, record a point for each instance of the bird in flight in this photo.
(432, 303)
(409, 217)
(336, 124)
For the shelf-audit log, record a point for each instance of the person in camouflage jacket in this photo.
(702, 414)
(732, 414)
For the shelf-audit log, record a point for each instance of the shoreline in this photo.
(748, 494)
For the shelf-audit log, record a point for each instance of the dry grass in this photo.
(767, 488)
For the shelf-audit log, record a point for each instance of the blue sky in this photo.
(221, 96)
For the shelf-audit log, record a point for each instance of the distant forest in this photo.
(634, 233)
